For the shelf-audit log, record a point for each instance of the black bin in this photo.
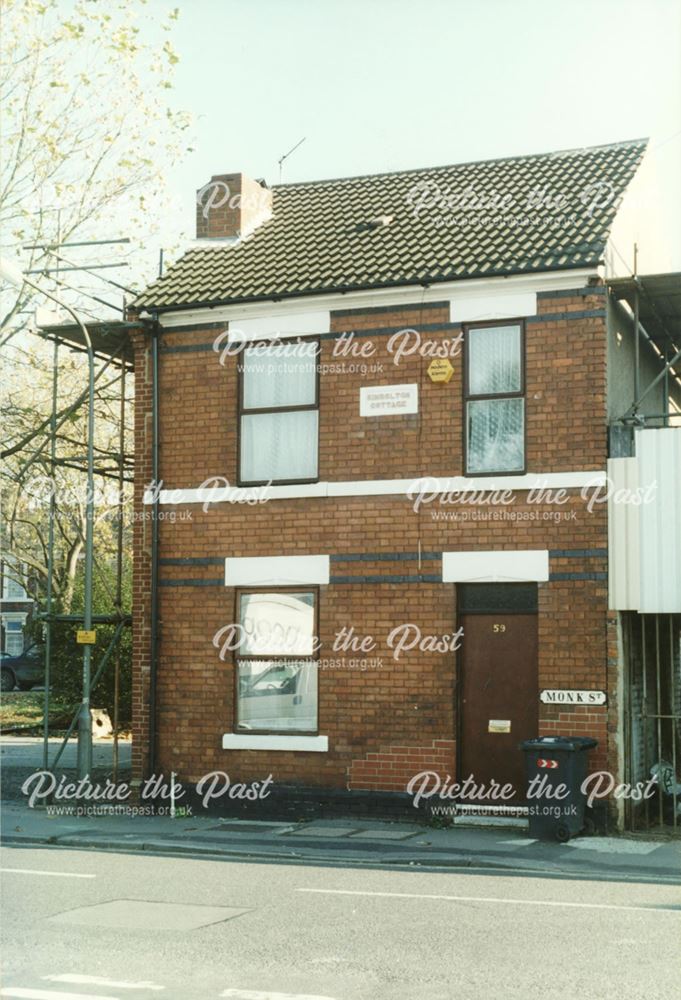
(552, 761)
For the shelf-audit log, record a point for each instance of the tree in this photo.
(88, 133)
(29, 482)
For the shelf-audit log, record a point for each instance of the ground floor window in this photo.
(276, 668)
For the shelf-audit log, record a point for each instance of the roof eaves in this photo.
(425, 282)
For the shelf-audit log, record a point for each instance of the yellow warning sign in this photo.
(440, 370)
(86, 637)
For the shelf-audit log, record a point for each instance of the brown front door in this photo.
(499, 697)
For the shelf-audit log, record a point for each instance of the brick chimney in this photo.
(231, 206)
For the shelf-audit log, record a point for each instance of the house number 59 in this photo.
(498, 628)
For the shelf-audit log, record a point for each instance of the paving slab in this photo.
(613, 845)
(384, 835)
(256, 829)
(324, 831)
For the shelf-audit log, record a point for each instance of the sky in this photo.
(380, 85)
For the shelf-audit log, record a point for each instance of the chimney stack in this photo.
(231, 206)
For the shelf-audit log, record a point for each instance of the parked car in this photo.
(23, 671)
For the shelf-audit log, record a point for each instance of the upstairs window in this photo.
(14, 638)
(14, 591)
(495, 399)
(276, 667)
(279, 414)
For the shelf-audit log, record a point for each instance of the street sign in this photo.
(382, 400)
(86, 637)
(440, 370)
(569, 697)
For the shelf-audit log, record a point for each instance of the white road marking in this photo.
(266, 995)
(76, 979)
(28, 994)
(35, 871)
(491, 899)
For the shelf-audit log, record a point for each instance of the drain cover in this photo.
(139, 914)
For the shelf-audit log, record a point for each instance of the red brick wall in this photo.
(391, 769)
(383, 722)
(141, 586)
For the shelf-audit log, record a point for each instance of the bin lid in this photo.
(559, 743)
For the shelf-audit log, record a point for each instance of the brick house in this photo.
(374, 413)
(16, 607)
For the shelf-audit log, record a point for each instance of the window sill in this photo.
(268, 741)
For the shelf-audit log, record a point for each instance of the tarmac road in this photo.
(111, 925)
(27, 752)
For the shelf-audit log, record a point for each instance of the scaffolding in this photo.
(110, 344)
(651, 640)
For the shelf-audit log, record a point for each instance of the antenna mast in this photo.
(286, 155)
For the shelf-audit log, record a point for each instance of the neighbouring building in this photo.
(396, 437)
(16, 608)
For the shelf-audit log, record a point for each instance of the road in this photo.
(27, 752)
(115, 925)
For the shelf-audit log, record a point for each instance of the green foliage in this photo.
(67, 669)
(66, 665)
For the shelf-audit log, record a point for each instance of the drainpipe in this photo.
(153, 672)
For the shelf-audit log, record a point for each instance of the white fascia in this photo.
(547, 281)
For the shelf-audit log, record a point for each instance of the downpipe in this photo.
(153, 668)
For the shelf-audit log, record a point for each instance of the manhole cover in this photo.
(143, 915)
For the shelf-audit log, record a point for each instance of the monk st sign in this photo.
(564, 697)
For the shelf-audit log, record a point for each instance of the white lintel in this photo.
(496, 566)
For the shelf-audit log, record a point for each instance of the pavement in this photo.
(469, 843)
(21, 755)
(354, 842)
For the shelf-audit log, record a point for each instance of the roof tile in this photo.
(318, 240)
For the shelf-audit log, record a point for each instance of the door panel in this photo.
(498, 691)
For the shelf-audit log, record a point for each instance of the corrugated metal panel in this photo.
(623, 537)
(658, 453)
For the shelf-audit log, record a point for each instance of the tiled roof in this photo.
(327, 236)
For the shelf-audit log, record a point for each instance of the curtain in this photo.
(494, 360)
(279, 446)
(496, 435)
(273, 380)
